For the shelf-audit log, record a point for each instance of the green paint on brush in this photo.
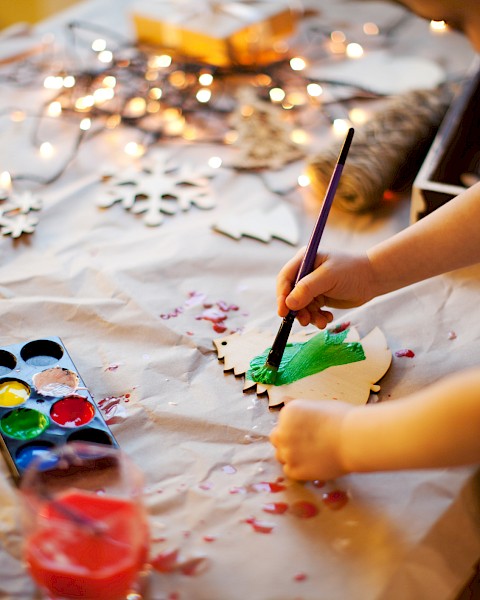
(324, 350)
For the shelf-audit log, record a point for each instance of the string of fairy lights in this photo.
(164, 96)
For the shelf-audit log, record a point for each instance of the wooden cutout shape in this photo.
(278, 223)
(351, 383)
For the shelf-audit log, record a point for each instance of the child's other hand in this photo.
(307, 439)
(337, 281)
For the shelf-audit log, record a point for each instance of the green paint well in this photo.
(324, 350)
(24, 423)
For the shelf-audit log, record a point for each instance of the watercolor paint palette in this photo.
(44, 403)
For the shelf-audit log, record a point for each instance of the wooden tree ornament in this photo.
(351, 382)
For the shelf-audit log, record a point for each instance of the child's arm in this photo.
(445, 240)
(438, 426)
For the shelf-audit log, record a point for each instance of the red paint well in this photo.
(72, 411)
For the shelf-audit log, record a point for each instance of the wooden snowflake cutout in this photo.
(157, 189)
(278, 223)
(15, 217)
(16, 225)
(328, 365)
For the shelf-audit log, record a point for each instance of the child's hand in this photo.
(338, 280)
(308, 439)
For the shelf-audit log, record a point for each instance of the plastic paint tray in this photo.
(44, 403)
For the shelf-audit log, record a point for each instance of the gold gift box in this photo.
(218, 33)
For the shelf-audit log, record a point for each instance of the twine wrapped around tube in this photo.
(386, 152)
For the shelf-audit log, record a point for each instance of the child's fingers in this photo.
(288, 273)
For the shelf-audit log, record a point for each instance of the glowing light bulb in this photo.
(136, 107)
(314, 90)
(370, 28)
(215, 162)
(438, 26)
(297, 63)
(358, 116)
(155, 93)
(99, 45)
(134, 149)
(277, 95)
(337, 36)
(105, 56)
(54, 109)
(203, 95)
(85, 124)
(103, 95)
(303, 180)
(354, 50)
(46, 150)
(299, 136)
(340, 126)
(205, 79)
(5, 182)
(84, 103)
(160, 61)
(109, 81)
(68, 81)
(53, 82)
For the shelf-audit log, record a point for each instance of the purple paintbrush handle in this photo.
(308, 261)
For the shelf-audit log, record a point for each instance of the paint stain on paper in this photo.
(405, 352)
(336, 499)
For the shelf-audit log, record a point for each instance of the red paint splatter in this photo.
(452, 335)
(304, 510)
(275, 508)
(194, 566)
(405, 352)
(168, 562)
(267, 486)
(300, 576)
(226, 307)
(238, 490)
(209, 538)
(194, 299)
(229, 469)
(206, 485)
(111, 408)
(174, 313)
(165, 562)
(335, 500)
(219, 328)
(340, 327)
(260, 526)
(112, 367)
(189, 332)
(211, 314)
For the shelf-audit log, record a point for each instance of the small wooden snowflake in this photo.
(18, 224)
(15, 217)
(157, 189)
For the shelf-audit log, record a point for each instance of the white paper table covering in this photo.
(100, 280)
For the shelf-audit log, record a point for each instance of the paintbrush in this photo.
(268, 372)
